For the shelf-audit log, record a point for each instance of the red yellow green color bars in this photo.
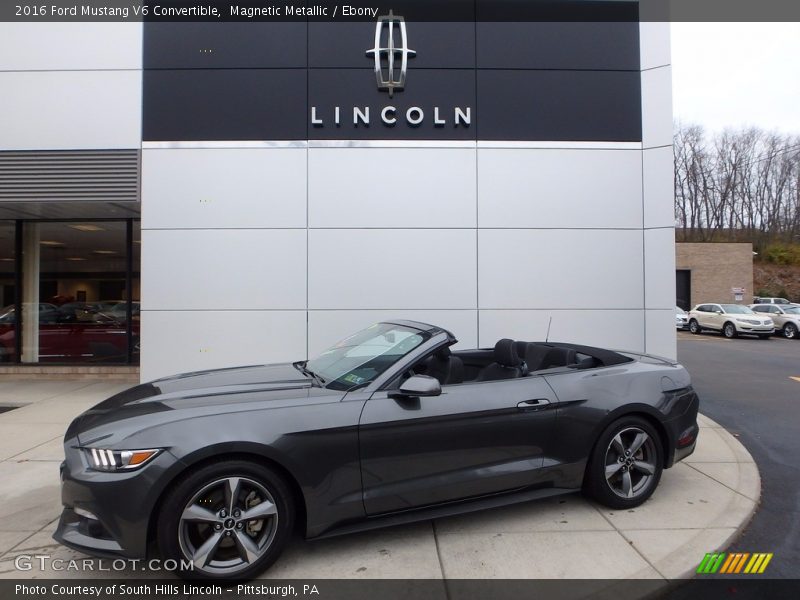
(735, 562)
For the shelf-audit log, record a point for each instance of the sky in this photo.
(734, 75)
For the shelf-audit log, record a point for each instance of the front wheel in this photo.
(694, 327)
(729, 330)
(229, 519)
(626, 464)
(790, 331)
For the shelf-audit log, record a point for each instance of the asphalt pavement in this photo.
(752, 388)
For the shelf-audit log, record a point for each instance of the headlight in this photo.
(101, 459)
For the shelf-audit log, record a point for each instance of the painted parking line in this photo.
(797, 379)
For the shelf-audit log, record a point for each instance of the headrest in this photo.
(506, 354)
(443, 353)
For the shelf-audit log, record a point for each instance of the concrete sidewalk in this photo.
(700, 506)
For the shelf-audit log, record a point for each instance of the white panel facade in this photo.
(70, 46)
(617, 329)
(559, 188)
(658, 185)
(560, 268)
(659, 266)
(70, 110)
(654, 45)
(224, 269)
(289, 248)
(326, 327)
(392, 269)
(182, 341)
(391, 187)
(657, 107)
(659, 342)
(223, 188)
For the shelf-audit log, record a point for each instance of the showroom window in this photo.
(8, 287)
(79, 299)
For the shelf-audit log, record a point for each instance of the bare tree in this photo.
(737, 185)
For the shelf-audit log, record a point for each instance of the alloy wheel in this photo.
(694, 326)
(228, 525)
(790, 331)
(729, 330)
(630, 462)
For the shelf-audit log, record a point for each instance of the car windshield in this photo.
(736, 309)
(363, 356)
(791, 310)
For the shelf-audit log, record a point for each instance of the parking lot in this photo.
(752, 388)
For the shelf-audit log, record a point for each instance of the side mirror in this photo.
(719, 312)
(420, 386)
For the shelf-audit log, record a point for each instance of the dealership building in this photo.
(202, 195)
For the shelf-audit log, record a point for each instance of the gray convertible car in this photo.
(216, 468)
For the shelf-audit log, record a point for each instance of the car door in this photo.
(474, 439)
(702, 314)
(714, 320)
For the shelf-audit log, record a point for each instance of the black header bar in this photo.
(412, 10)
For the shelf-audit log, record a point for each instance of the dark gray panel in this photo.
(559, 105)
(251, 104)
(188, 45)
(611, 46)
(438, 45)
(425, 88)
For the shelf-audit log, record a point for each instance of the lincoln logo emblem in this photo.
(387, 53)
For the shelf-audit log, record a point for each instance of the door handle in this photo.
(535, 404)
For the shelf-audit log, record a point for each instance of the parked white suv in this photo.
(729, 319)
(783, 301)
(785, 317)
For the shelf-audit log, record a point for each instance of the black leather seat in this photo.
(558, 357)
(445, 367)
(535, 355)
(507, 364)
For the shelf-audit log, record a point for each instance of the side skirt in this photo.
(444, 510)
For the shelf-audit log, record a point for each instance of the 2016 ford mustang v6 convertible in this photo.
(386, 427)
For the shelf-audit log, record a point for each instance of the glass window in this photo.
(76, 275)
(736, 309)
(7, 291)
(363, 356)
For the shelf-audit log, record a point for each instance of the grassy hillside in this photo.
(771, 279)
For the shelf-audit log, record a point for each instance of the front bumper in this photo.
(108, 514)
(747, 328)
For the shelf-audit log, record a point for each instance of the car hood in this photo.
(202, 392)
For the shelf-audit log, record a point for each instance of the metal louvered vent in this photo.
(64, 175)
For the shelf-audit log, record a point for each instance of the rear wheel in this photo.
(790, 331)
(729, 330)
(231, 519)
(626, 464)
(694, 326)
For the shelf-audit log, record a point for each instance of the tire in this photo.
(195, 522)
(729, 330)
(630, 484)
(790, 331)
(694, 327)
